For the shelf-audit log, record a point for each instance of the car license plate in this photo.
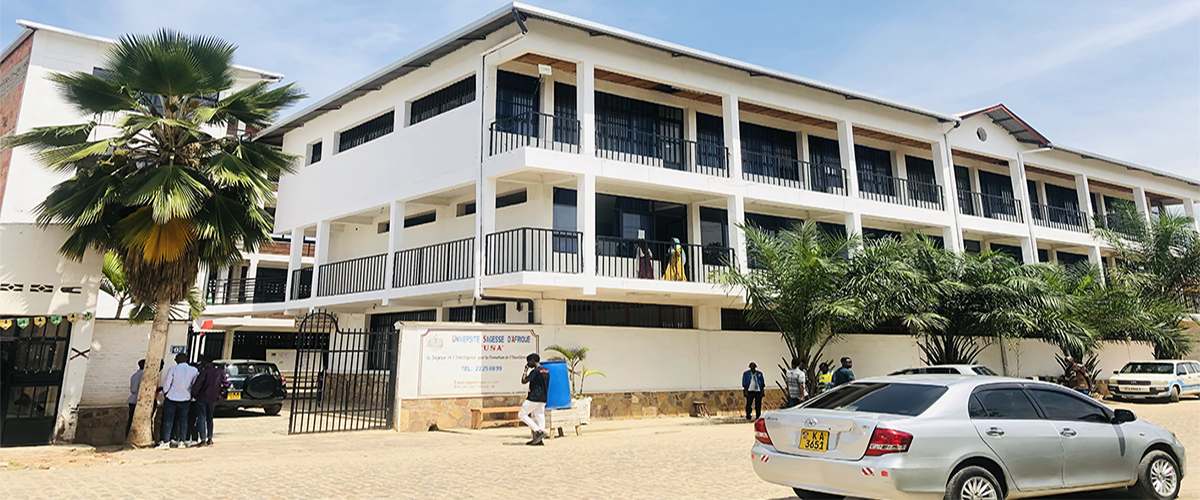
(1134, 388)
(814, 440)
(234, 395)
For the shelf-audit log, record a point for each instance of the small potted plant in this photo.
(578, 373)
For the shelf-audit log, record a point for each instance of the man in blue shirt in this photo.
(753, 387)
(844, 375)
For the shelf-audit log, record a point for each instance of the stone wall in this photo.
(105, 425)
(448, 413)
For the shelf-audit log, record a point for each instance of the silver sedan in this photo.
(962, 438)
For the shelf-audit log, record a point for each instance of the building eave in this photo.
(1087, 155)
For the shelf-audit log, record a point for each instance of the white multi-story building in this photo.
(539, 167)
(58, 373)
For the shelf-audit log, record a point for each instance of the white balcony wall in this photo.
(351, 241)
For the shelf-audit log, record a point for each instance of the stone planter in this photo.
(584, 407)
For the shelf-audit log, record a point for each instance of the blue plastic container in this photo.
(559, 395)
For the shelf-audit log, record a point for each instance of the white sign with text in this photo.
(474, 362)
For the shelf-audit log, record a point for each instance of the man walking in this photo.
(796, 380)
(177, 396)
(753, 387)
(533, 410)
(844, 375)
(206, 391)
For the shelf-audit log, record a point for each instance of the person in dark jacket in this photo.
(845, 374)
(753, 387)
(206, 391)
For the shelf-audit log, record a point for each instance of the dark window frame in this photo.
(445, 99)
(513, 198)
(589, 313)
(367, 131)
(420, 219)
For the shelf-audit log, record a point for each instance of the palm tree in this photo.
(574, 357)
(114, 283)
(158, 189)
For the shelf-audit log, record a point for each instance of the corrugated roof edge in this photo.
(31, 26)
(582, 24)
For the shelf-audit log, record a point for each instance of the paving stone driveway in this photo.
(648, 459)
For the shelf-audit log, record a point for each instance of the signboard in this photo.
(474, 362)
(178, 349)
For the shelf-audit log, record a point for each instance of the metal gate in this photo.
(345, 380)
(33, 359)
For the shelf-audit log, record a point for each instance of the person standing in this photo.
(206, 391)
(753, 386)
(177, 396)
(824, 377)
(135, 381)
(533, 410)
(1078, 377)
(676, 260)
(844, 375)
(796, 384)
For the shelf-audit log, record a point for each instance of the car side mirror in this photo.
(1116, 372)
(1122, 415)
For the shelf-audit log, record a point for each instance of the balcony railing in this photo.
(449, 261)
(245, 291)
(363, 274)
(990, 206)
(535, 250)
(1059, 218)
(791, 172)
(302, 283)
(890, 189)
(1117, 222)
(618, 142)
(652, 260)
(538, 130)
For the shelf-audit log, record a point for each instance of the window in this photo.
(739, 320)
(1010, 250)
(639, 128)
(465, 209)
(314, 153)
(388, 321)
(972, 246)
(874, 170)
(103, 74)
(419, 219)
(564, 213)
(922, 181)
(769, 151)
(894, 399)
(366, 132)
(985, 371)
(1150, 368)
(1007, 404)
(710, 140)
(517, 96)
(1063, 406)
(494, 313)
(771, 223)
(622, 217)
(1181, 370)
(441, 101)
(383, 227)
(580, 312)
(714, 224)
(511, 199)
(566, 126)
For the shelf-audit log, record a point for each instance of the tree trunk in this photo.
(141, 433)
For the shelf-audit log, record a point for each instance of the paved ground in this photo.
(653, 459)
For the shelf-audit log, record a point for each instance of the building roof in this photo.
(508, 15)
(31, 27)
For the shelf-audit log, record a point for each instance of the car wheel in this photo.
(1174, 394)
(1158, 477)
(272, 410)
(816, 495)
(973, 483)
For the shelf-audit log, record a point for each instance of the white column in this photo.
(1143, 205)
(694, 224)
(1041, 191)
(1189, 208)
(1052, 254)
(943, 173)
(1085, 199)
(546, 91)
(585, 88)
(585, 222)
(295, 258)
(1095, 258)
(1029, 253)
(854, 224)
(252, 272)
(322, 256)
(689, 124)
(485, 206)
(736, 207)
(846, 149)
(395, 243)
(974, 172)
(1016, 174)
(802, 146)
(730, 115)
(900, 167)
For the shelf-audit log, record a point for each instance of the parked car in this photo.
(253, 384)
(1161, 379)
(948, 370)
(966, 437)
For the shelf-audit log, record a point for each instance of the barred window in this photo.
(494, 313)
(738, 320)
(368, 131)
(441, 101)
(314, 153)
(583, 312)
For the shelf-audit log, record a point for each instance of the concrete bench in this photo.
(478, 413)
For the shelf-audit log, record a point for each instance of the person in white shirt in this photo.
(796, 380)
(177, 397)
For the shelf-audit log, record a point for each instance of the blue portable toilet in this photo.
(559, 394)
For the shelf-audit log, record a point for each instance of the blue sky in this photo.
(1118, 78)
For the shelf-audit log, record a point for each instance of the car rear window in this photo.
(247, 369)
(880, 397)
(1153, 368)
(983, 370)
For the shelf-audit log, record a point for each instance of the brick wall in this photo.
(12, 86)
(116, 348)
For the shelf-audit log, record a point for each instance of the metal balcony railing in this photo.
(245, 291)
(873, 186)
(651, 260)
(622, 143)
(533, 249)
(990, 206)
(301, 283)
(538, 130)
(363, 274)
(1059, 218)
(441, 262)
(791, 172)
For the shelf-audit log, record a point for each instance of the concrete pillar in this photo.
(694, 224)
(252, 272)
(1085, 199)
(846, 149)
(1029, 253)
(689, 124)
(485, 206)
(488, 92)
(1016, 173)
(1053, 255)
(802, 148)
(1189, 208)
(899, 166)
(585, 88)
(295, 258)
(1095, 258)
(736, 207)
(585, 222)
(1143, 205)
(943, 172)
(854, 224)
(395, 242)
(322, 256)
(1041, 191)
(731, 116)
(546, 92)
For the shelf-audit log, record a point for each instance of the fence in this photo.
(533, 129)
(449, 261)
(619, 142)
(990, 206)
(245, 291)
(641, 259)
(533, 249)
(363, 274)
(890, 189)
